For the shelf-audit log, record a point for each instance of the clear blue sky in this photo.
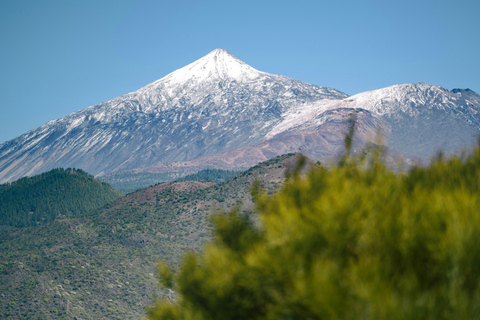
(60, 56)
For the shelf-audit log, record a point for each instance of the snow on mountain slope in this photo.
(302, 115)
(418, 119)
(413, 99)
(218, 64)
(217, 103)
(424, 118)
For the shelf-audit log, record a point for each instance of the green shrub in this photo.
(355, 241)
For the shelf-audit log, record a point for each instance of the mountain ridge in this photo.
(414, 119)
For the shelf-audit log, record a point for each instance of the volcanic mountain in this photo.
(219, 112)
(215, 104)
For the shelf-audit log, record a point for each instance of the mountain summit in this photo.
(215, 104)
(218, 64)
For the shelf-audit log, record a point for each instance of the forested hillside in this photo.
(215, 175)
(127, 182)
(33, 201)
(102, 265)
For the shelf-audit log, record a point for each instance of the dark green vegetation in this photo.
(356, 241)
(215, 175)
(102, 265)
(33, 201)
(127, 182)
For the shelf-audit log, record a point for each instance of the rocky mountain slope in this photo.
(217, 103)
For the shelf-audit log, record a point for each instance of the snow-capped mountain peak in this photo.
(219, 104)
(217, 65)
(212, 105)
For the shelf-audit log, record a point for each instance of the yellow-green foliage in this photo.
(355, 241)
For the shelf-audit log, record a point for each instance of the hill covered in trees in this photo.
(215, 175)
(127, 182)
(102, 265)
(36, 200)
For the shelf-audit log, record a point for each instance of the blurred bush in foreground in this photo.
(355, 241)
